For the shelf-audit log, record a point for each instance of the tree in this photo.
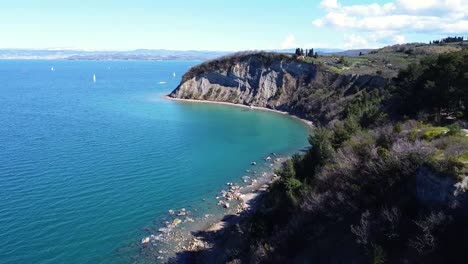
(298, 52)
(320, 152)
(437, 85)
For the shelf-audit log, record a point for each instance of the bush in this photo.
(383, 153)
(287, 170)
(454, 130)
(340, 134)
(434, 133)
(397, 128)
(320, 152)
(385, 138)
(413, 135)
(293, 190)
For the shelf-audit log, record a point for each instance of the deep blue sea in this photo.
(85, 167)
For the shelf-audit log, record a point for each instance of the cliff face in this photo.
(269, 80)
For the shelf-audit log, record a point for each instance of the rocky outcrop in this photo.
(275, 81)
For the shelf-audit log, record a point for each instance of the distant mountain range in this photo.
(140, 54)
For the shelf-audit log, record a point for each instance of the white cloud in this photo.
(354, 41)
(329, 4)
(431, 6)
(388, 23)
(399, 39)
(289, 42)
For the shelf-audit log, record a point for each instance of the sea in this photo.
(89, 165)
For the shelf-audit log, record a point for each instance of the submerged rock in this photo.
(176, 222)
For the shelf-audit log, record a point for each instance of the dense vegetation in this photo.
(448, 40)
(436, 86)
(383, 181)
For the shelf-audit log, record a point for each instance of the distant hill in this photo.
(139, 54)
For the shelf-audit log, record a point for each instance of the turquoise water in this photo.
(85, 167)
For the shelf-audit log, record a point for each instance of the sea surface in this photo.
(86, 167)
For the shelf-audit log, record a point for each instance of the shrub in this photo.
(287, 170)
(320, 152)
(413, 135)
(293, 190)
(385, 138)
(397, 128)
(383, 153)
(340, 134)
(434, 133)
(454, 130)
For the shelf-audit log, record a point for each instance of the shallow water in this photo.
(85, 167)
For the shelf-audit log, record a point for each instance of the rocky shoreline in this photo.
(179, 235)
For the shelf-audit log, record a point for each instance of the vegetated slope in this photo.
(313, 88)
(384, 181)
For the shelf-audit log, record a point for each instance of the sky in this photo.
(227, 25)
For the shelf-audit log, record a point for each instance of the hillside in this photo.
(275, 81)
(140, 54)
(385, 177)
(317, 89)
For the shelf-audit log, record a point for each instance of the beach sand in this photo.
(305, 121)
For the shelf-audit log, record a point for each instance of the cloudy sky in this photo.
(227, 25)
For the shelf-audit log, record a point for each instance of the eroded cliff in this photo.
(275, 81)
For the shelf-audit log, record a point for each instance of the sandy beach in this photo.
(305, 121)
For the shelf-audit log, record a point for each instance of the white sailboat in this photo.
(173, 74)
(94, 77)
(52, 69)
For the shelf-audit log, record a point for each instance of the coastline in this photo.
(196, 234)
(309, 123)
(246, 200)
(185, 234)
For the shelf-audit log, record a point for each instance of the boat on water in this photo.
(94, 77)
(52, 69)
(174, 74)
